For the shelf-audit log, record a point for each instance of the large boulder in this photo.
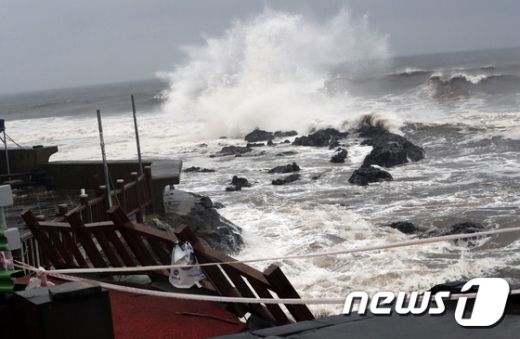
(389, 149)
(285, 169)
(367, 174)
(259, 135)
(200, 214)
(322, 138)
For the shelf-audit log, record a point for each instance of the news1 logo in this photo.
(489, 307)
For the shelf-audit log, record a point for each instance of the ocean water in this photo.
(280, 71)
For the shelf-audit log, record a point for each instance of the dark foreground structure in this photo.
(394, 326)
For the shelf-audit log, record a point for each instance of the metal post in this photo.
(6, 199)
(5, 146)
(137, 139)
(105, 166)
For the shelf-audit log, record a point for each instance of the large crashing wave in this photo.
(270, 71)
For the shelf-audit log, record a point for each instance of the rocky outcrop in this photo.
(389, 149)
(259, 135)
(340, 156)
(280, 134)
(286, 180)
(323, 138)
(195, 169)
(367, 174)
(199, 213)
(285, 169)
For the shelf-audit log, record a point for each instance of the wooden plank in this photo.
(283, 287)
(85, 237)
(159, 251)
(246, 291)
(41, 237)
(107, 249)
(119, 217)
(60, 246)
(120, 248)
(75, 250)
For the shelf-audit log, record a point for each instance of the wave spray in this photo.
(271, 72)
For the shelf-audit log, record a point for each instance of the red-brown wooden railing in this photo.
(120, 242)
(133, 197)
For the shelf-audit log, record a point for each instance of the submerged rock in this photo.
(389, 149)
(285, 169)
(367, 174)
(231, 150)
(405, 227)
(200, 214)
(286, 180)
(322, 138)
(466, 228)
(194, 169)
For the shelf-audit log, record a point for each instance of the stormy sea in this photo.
(283, 72)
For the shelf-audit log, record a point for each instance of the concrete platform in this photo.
(391, 327)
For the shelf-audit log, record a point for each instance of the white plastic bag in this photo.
(183, 254)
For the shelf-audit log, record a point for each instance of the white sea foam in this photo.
(269, 72)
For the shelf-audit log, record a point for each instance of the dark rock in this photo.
(231, 150)
(270, 143)
(286, 153)
(340, 156)
(286, 142)
(198, 170)
(316, 177)
(223, 138)
(466, 228)
(249, 145)
(389, 149)
(259, 135)
(218, 205)
(285, 169)
(237, 184)
(280, 134)
(286, 180)
(202, 145)
(365, 175)
(199, 213)
(405, 227)
(325, 137)
(242, 182)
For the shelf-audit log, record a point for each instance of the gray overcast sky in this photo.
(48, 44)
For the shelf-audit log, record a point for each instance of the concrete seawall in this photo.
(25, 160)
(79, 174)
